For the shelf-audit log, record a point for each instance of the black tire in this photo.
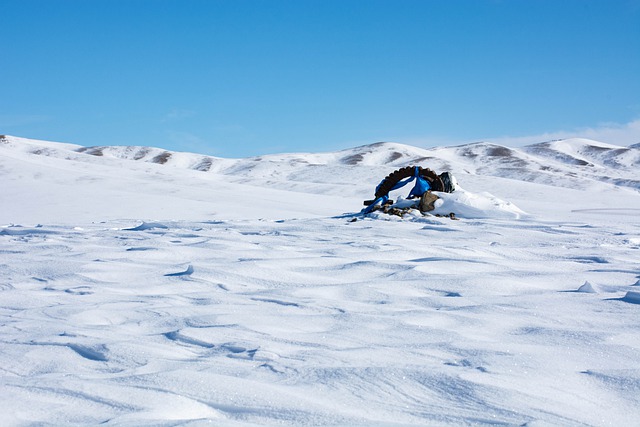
(394, 177)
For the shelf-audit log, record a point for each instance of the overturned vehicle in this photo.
(426, 181)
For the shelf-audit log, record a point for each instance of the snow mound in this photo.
(17, 230)
(632, 297)
(474, 206)
(464, 204)
(188, 272)
(587, 288)
(147, 226)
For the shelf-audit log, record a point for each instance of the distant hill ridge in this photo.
(569, 163)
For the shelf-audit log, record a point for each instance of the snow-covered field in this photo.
(141, 287)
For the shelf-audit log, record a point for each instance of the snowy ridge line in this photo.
(568, 163)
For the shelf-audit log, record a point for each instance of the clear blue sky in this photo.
(236, 78)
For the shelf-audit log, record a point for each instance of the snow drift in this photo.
(139, 288)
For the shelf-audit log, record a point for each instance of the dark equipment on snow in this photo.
(425, 178)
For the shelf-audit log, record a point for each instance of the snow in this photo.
(136, 293)
(587, 288)
(632, 297)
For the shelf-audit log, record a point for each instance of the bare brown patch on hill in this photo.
(162, 158)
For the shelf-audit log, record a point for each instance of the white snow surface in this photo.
(144, 287)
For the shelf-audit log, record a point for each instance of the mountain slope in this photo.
(572, 163)
(323, 183)
(35, 174)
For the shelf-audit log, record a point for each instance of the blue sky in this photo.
(237, 78)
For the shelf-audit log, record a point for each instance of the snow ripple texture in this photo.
(319, 322)
(140, 287)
